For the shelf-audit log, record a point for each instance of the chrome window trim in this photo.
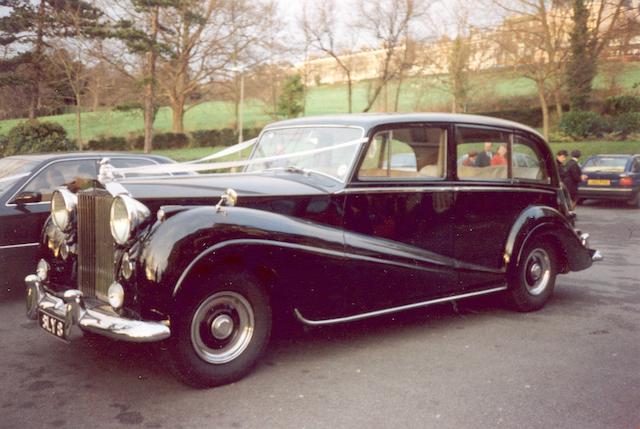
(391, 310)
(14, 246)
(85, 158)
(440, 188)
(353, 162)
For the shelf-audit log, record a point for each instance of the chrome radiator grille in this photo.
(95, 244)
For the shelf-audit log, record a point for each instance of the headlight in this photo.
(127, 266)
(42, 270)
(63, 206)
(116, 295)
(126, 215)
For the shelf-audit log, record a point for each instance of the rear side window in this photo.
(412, 153)
(527, 161)
(482, 154)
(487, 154)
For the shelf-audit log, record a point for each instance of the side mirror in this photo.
(27, 197)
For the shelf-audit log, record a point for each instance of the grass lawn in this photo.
(589, 148)
(417, 94)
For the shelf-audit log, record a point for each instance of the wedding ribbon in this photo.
(108, 172)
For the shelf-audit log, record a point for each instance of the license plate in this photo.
(598, 182)
(52, 324)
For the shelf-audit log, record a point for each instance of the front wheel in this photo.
(219, 335)
(532, 281)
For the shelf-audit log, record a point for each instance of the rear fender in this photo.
(542, 221)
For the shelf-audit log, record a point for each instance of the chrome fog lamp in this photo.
(42, 270)
(116, 295)
(127, 266)
(63, 206)
(126, 215)
(64, 251)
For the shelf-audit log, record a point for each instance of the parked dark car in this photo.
(206, 262)
(611, 177)
(26, 185)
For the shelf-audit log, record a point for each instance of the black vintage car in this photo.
(319, 222)
(26, 185)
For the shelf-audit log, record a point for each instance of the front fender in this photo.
(182, 241)
(542, 220)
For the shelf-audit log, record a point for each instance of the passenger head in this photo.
(487, 146)
(502, 150)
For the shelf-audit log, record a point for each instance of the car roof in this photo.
(613, 155)
(59, 155)
(367, 121)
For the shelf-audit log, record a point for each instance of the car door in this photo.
(489, 198)
(22, 222)
(398, 220)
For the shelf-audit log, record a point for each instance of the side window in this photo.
(527, 162)
(482, 154)
(134, 162)
(410, 152)
(635, 168)
(75, 174)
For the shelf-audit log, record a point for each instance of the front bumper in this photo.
(94, 317)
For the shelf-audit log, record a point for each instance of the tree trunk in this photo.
(149, 89)
(558, 102)
(79, 123)
(545, 111)
(36, 99)
(396, 103)
(350, 89)
(177, 111)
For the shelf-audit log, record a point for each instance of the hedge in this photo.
(224, 137)
(37, 137)
(621, 104)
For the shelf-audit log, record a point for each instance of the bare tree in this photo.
(533, 39)
(321, 28)
(389, 23)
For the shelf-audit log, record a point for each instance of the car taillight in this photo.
(626, 181)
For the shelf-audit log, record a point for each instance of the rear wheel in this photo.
(635, 201)
(219, 334)
(532, 281)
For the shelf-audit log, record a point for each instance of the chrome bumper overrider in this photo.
(596, 256)
(98, 319)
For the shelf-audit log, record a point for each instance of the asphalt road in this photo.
(575, 364)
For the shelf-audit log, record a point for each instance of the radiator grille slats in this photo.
(95, 244)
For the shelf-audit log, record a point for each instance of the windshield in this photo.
(335, 163)
(613, 164)
(11, 169)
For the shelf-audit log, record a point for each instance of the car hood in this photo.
(212, 186)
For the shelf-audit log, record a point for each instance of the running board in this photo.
(302, 319)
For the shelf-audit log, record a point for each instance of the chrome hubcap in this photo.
(537, 271)
(222, 327)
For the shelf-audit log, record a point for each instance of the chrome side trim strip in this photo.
(403, 189)
(15, 246)
(302, 319)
